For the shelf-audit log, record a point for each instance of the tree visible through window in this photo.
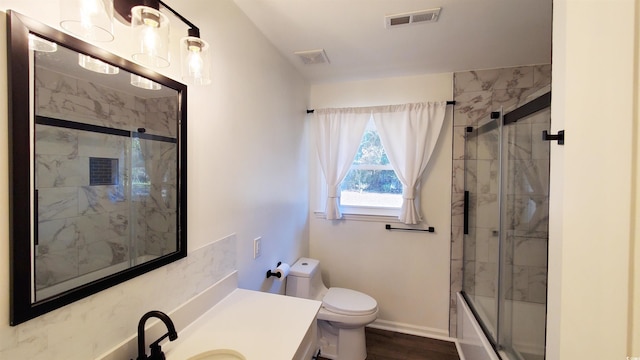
(371, 181)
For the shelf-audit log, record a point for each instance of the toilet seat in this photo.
(349, 302)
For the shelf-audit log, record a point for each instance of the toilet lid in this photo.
(349, 302)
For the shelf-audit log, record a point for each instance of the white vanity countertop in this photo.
(256, 324)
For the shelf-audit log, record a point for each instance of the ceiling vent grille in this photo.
(312, 57)
(414, 17)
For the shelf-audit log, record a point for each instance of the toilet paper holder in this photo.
(276, 274)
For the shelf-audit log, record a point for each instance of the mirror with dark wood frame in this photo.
(97, 168)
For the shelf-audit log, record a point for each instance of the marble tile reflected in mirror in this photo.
(105, 164)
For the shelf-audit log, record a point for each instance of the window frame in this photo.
(357, 210)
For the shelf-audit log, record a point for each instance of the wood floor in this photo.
(388, 345)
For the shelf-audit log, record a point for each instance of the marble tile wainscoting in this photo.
(477, 94)
(87, 221)
(78, 331)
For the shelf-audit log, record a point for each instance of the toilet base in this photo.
(339, 343)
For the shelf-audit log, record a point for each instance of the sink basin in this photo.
(218, 354)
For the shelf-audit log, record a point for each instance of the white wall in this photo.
(406, 272)
(247, 174)
(592, 237)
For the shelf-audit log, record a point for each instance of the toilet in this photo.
(343, 315)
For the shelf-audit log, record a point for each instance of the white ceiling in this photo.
(469, 35)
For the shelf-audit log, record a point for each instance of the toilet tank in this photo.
(305, 280)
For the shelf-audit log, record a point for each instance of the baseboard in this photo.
(433, 333)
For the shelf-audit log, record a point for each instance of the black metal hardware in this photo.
(36, 232)
(469, 128)
(495, 114)
(156, 350)
(466, 213)
(558, 137)
(449, 102)
(142, 130)
(429, 229)
(276, 274)
(540, 103)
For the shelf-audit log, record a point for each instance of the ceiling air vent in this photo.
(414, 17)
(312, 57)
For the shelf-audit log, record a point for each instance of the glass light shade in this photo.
(194, 53)
(151, 30)
(144, 83)
(39, 44)
(89, 19)
(96, 65)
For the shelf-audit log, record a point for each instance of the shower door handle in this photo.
(558, 137)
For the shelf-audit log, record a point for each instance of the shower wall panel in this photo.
(477, 94)
(84, 227)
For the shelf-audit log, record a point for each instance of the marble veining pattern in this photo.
(477, 94)
(83, 228)
(46, 337)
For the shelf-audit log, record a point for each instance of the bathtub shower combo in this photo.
(106, 195)
(504, 289)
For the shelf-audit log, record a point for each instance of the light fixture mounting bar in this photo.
(123, 12)
(193, 31)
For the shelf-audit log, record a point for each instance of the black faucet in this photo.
(156, 351)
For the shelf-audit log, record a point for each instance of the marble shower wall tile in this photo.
(102, 254)
(537, 284)
(57, 203)
(56, 141)
(49, 336)
(61, 171)
(106, 95)
(488, 146)
(55, 267)
(471, 107)
(530, 252)
(51, 80)
(515, 78)
(477, 93)
(485, 279)
(162, 116)
(541, 75)
(459, 142)
(101, 199)
(72, 107)
(473, 81)
(91, 225)
(458, 176)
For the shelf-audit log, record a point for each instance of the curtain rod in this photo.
(448, 103)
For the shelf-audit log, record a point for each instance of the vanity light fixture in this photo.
(151, 31)
(93, 20)
(194, 54)
(89, 19)
(148, 22)
(95, 65)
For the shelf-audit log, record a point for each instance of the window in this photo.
(371, 181)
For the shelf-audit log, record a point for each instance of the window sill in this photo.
(362, 217)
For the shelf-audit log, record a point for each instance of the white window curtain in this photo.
(409, 134)
(337, 134)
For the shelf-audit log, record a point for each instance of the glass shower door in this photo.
(481, 239)
(524, 219)
(506, 228)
